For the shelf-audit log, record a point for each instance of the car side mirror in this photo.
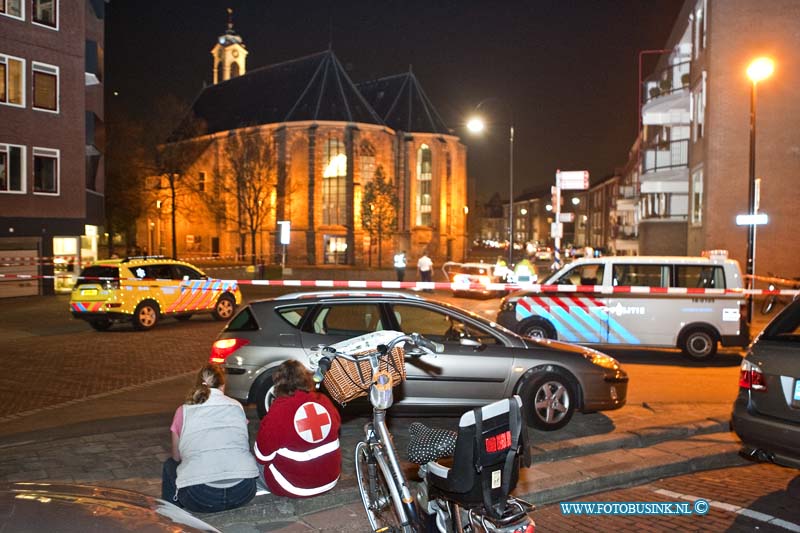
(464, 341)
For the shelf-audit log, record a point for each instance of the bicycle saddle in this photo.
(429, 444)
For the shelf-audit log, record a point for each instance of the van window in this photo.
(699, 276)
(640, 275)
(582, 275)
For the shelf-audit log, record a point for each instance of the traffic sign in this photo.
(572, 180)
(566, 217)
(752, 220)
(556, 230)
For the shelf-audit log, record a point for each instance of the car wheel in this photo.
(265, 395)
(146, 315)
(550, 399)
(183, 317)
(538, 328)
(225, 307)
(699, 344)
(100, 325)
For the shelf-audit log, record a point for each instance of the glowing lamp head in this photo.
(760, 69)
(476, 125)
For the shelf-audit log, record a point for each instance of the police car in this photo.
(142, 290)
(692, 303)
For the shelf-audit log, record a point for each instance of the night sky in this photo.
(566, 70)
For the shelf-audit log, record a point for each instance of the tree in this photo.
(249, 176)
(379, 208)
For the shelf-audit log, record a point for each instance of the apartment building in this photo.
(689, 168)
(51, 131)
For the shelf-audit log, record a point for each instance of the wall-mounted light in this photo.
(548, 207)
(575, 200)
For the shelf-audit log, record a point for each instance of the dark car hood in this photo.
(83, 508)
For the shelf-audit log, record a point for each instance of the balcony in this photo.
(665, 96)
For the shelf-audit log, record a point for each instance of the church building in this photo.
(296, 144)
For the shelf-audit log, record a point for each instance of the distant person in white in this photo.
(425, 268)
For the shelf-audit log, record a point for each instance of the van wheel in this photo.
(699, 344)
(550, 400)
(538, 328)
(225, 307)
(146, 315)
(265, 395)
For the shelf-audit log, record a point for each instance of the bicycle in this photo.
(373, 364)
(778, 297)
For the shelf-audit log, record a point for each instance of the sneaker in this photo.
(260, 488)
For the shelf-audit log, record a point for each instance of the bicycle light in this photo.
(380, 394)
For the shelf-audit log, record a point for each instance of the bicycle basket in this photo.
(346, 380)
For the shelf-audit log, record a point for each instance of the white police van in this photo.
(687, 302)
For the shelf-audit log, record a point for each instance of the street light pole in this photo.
(511, 194)
(759, 69)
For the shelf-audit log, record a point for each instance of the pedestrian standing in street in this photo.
(400, 265)
(297, 446)
(211, 468)
(425, 268)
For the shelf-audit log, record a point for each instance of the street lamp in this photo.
(476, 125)
(758, 70)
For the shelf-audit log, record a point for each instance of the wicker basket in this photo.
(346, 380)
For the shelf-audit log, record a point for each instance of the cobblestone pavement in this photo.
(758, 497)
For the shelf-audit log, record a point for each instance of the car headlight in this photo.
(602, 360)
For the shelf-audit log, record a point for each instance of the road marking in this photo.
(129, 388)
(731, 508)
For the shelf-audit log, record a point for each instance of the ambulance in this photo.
(692, 303)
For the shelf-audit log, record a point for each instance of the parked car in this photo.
(482, 361)
(766, 413)
(143, 290)
(692, 303)
(469, 274)
(68, 508)
(544, 253)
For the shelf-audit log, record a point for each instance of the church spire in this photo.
(229, 54)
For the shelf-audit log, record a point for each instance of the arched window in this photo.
(220, 72)
(334, 173)
(424, 176)
(234, 70)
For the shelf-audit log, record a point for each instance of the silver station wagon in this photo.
(482, 361)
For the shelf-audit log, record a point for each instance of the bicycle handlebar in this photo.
(414, 339)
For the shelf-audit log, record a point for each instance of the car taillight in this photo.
(750, 377)
(222, 348)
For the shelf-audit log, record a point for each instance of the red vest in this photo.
(298, 444)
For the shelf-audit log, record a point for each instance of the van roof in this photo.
(653, 259)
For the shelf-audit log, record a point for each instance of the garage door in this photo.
(19, 262)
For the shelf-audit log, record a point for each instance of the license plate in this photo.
(89, 292)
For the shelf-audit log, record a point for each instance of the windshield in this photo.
(91, 275)
(786, 326)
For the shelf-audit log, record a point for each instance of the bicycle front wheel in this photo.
(375, 493)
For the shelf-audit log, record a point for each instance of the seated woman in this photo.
(297, 446)
(211, 468)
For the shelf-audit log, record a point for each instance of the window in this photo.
(12, 8)
(333, 182)
(583, 275)
(439, 326)
(201, 182)
(182, 272)
(45, 12)
(367, 163)
(700, 28)
(701, 277)
(335, 250)
(640, 276)
(348, 320)
(697, 197)
(424, 177)
(292, 315)
(698, 109)
(234, 70)
(45, 170)
(45, 87)
(12, 168)
(12, 80)
(243, 321)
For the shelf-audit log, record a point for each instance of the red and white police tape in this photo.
(499, 287)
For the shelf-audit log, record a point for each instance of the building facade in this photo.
(326, 138)
(51, 140)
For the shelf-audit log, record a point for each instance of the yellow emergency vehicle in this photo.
(142, 290)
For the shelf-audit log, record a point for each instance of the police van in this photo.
(693, 303)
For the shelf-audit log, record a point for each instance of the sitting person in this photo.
(297, 446)
(211, 468)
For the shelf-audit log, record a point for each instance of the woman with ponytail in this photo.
(211, 468)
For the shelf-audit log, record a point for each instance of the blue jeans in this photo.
(204, 498)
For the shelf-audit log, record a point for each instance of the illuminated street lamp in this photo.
(759, 70)
(476, 125)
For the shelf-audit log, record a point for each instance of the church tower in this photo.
(229, 54)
